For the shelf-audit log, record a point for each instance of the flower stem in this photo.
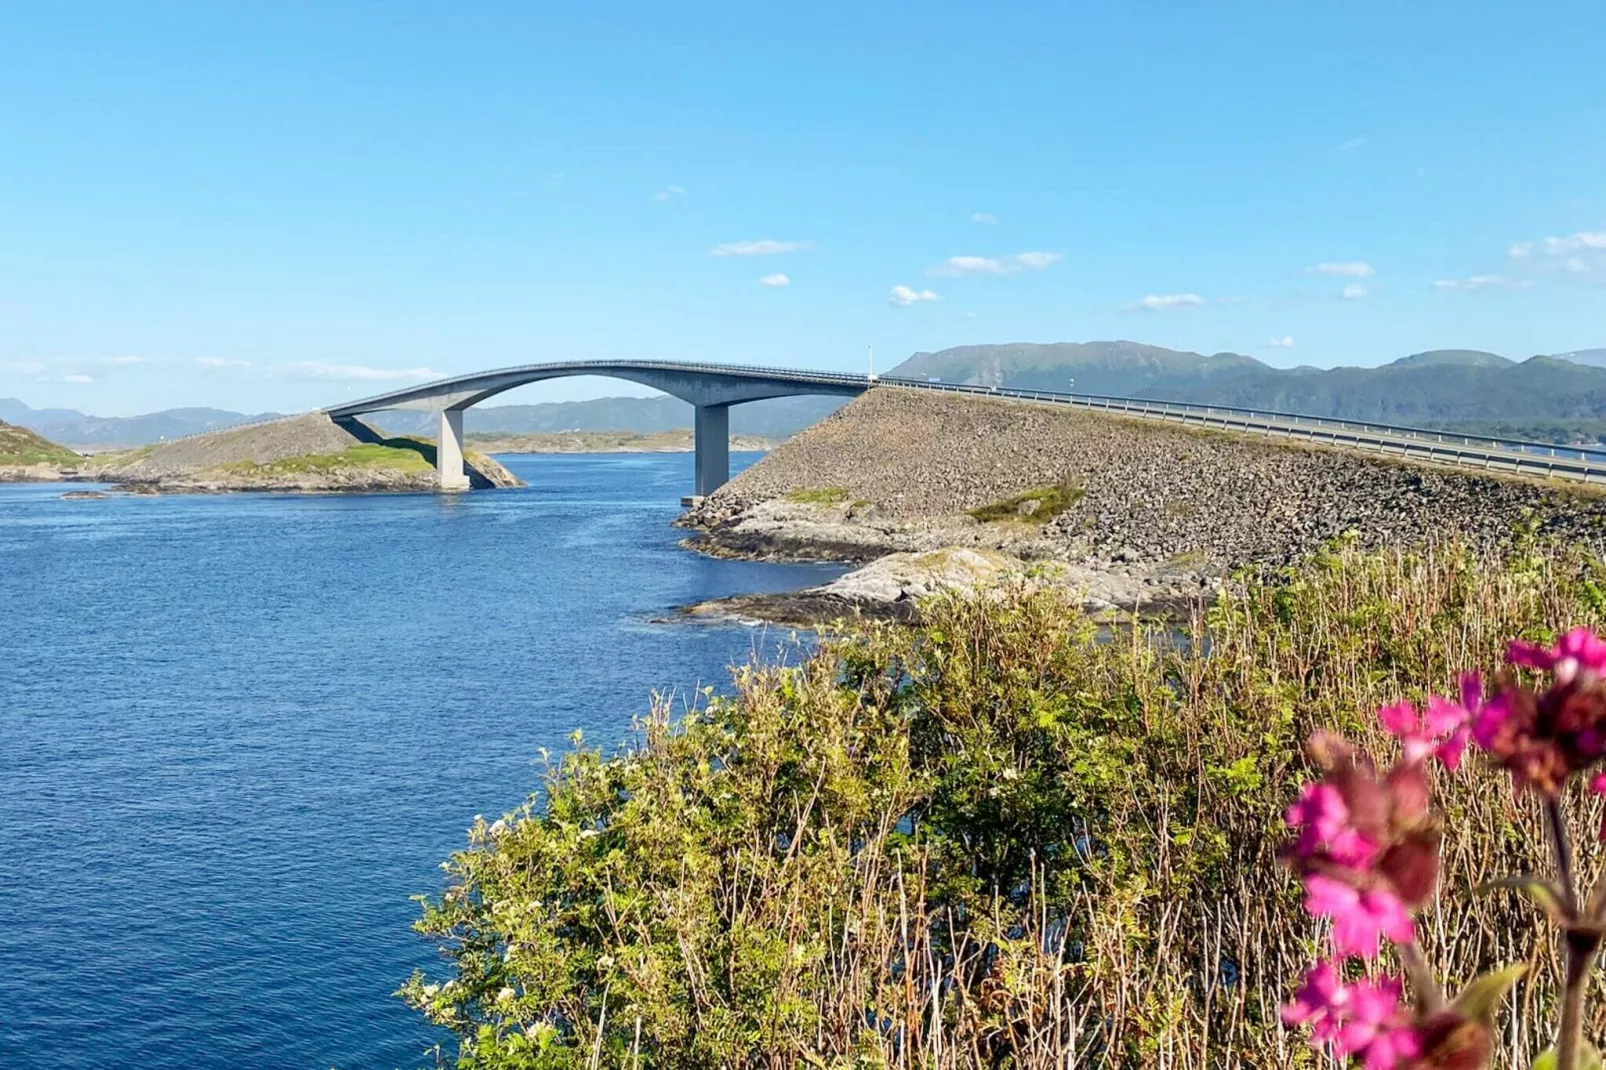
(1581, 949)
(1429, 999)
(1557, 826)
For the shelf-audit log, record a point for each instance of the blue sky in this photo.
(276, 205)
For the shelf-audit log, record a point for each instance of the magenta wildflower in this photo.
(1543, 738)
(1580, 650)
(1442, 728)
(1323, 821)
(1363, 1019)
(1597, 785)
(1361, 918)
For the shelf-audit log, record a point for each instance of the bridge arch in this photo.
(710, 388)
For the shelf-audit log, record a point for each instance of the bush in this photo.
(1036, 506)
(1000, 839)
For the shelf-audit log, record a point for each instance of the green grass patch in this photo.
(819, 495)
(1051, 500)
(18, 445)
(401, 454)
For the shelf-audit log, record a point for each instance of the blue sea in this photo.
(237, 732)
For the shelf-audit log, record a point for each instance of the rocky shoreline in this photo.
(1147, 517)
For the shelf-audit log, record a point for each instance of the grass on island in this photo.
(1051, 501)
(400, 454)
(818, 495)
(18, 445)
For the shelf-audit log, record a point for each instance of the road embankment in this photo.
(1139, 513)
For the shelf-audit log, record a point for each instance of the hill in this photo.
(1543, 396)
(20, 447)
(303, 453)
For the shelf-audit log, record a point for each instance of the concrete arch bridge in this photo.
(710, 388)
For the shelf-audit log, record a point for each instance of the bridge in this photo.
(713, 388)
(710, 388)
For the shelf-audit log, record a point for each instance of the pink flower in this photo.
(1318, 1001)
(1323, 821)
(1363, 1019)
(1490, 718)
(1443, 727)
(1578, 650)
(1360, 918)
(1597, 784)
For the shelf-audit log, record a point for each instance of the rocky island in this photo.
(307, 453)
(1129, 514)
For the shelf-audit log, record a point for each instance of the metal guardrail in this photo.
(1516, 456)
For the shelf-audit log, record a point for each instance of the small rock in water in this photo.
(80, 495)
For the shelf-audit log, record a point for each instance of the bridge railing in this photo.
(1445, 447)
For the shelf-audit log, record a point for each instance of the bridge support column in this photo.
(713, 426)
(449, 452)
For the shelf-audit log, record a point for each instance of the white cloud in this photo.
(1576, 265)
(1285, 342)
(1353, 292)
(126, 360)
(1483, 282)
(78, 378)
(763, 247)
(317, 369)
(1348, 269)
(27, 367)
(1582, 241)
(221, 362)
(903, 296)
(1352, 144)
(776, 279)
(1168, 302)
(984, 218)
(669, 192)
(957, 266)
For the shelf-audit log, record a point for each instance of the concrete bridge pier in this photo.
(449, 452)
(713, 441)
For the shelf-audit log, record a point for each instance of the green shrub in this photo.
(998, 840)
(818, 495)
(1050, 501)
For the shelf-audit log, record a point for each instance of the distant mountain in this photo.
(1595, 358)
(776, 418)
(1470, 358)
(1542, 396)
(73, 428)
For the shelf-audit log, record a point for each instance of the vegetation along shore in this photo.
(993, 840)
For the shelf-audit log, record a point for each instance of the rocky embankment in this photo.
(1140, 513)
(301, 453)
